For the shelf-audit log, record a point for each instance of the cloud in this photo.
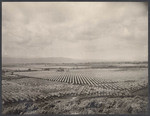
(86, 30)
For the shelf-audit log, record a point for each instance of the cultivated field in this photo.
(77, 89)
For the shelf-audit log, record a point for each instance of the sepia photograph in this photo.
(74, 58)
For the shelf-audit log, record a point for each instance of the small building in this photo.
(60, 70)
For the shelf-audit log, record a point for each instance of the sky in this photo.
(108, 31)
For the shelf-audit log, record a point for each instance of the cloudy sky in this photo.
(82, 30)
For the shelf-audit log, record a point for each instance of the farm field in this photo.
(75, 91)
(107, 74)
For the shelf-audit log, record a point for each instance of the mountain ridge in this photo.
(11, 60)
(8, 60)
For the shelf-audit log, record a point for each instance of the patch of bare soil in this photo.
(74, 105)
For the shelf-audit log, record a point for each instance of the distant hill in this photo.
(8, 60)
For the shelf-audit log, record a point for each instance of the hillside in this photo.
(8, 60)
